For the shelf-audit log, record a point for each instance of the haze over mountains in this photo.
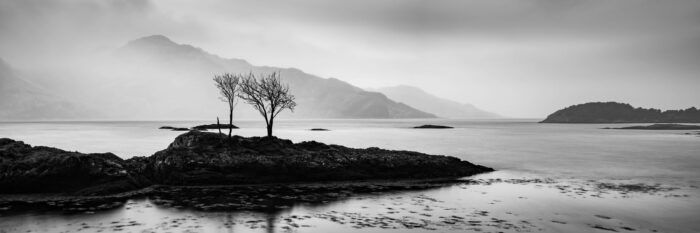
(427, 102)
(22, 100)
(156, 78)
(316, 97)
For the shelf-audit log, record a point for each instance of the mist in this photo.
(515, 58)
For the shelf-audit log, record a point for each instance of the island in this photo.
(433, 127)
(174, 128)
(214, 126)
(197, 163)
(319, 129)
(661, 127)
(613, 112)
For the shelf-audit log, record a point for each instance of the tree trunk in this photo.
(269, 128)
(230, 122)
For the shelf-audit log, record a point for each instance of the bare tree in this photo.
(268, 95)
(228, 85)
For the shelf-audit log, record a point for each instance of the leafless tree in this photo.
(268, 95)
(228, 85)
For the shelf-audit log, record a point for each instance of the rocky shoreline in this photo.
(205, 164)
(661, 127)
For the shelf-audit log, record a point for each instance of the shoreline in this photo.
(484, 204)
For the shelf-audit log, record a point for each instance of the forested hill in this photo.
(613, 112)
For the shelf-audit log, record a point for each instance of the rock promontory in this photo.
(203, 158)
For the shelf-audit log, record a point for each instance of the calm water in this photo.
(575, 157)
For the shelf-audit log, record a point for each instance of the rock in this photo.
(27, 169)
(319, 129)
(174, 128)
(202, 158)
(433, 127)
(198, 158)
(215, 126)
(661, 127)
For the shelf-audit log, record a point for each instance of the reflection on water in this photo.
(552, 178)
(496, 202)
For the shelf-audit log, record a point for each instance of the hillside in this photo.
(613, 112)
(22, 100)
(156, 60)
(427, 102)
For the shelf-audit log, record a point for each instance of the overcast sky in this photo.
(518, 58)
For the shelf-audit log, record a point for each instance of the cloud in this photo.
(504, 55)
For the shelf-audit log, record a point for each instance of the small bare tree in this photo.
(268, 95)
(228, 85)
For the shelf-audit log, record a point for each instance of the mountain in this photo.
(613, 112)
(164, 79)
(22, 100)
(427, 102)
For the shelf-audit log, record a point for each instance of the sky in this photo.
(518, 58)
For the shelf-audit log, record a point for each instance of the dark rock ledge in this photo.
(201, 127)
(661, 127)
(433, 127)
(214, 126)
(209, 160)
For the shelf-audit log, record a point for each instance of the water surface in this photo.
(575, 160)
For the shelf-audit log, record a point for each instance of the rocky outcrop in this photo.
(661, 127)
(174, 128)
(612, 112)
(215, 126)
(197, 158)
(433, 127)
(27, 169)
(202, 158)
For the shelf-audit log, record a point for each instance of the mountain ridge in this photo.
(442, 107)
(317, 97)
(23, 100)
(614, 112)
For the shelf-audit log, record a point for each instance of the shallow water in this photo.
(583, 166)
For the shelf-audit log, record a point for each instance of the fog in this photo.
(518, 58)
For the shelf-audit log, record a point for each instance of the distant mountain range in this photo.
(316, 97)
(613, 112)
(155, 78)
(427, 102)
(22, 100)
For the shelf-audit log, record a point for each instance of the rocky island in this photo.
(203, 159)
(661, 127)
(214, 126)
(613, 112)
(433, 127)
